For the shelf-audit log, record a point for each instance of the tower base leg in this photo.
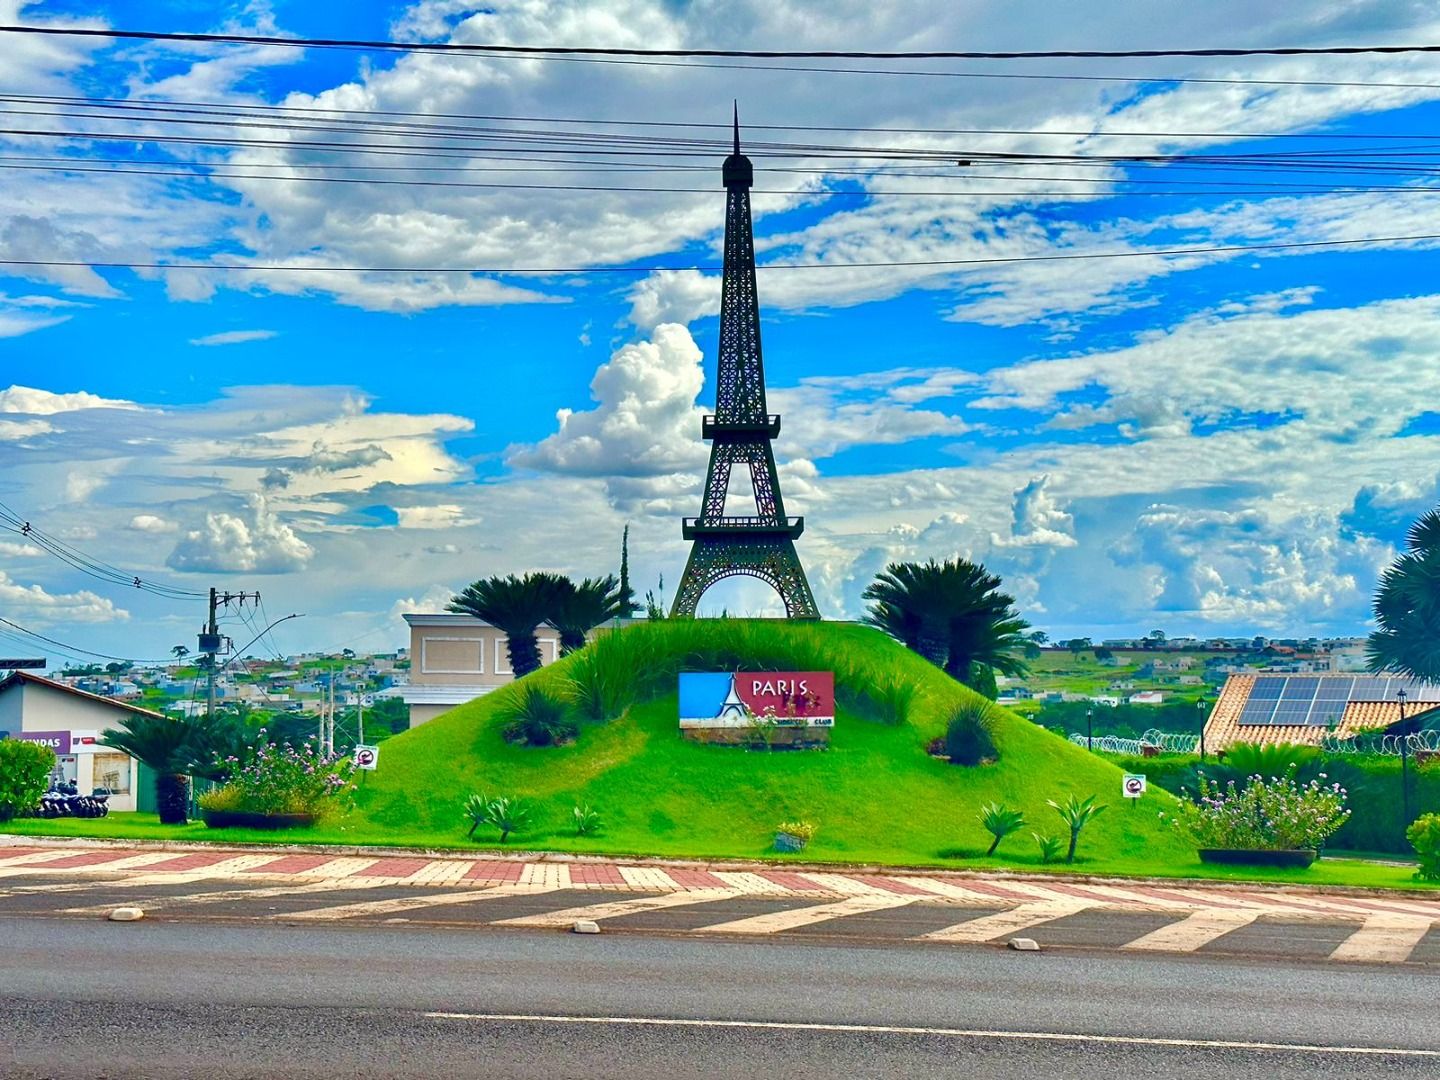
(774, 562)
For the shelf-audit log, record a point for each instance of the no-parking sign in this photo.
(367, 757)
(1133, 785)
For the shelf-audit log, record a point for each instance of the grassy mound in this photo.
(876, 794)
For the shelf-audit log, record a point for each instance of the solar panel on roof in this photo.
(1320, 700)
(1326, 713)
(1370, 688)
(1335, 689)
(1299, 690)
(1266, 688)
(1256, 713)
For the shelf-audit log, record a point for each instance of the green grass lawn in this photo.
(875, 795)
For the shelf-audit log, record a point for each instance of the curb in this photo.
(728, 865)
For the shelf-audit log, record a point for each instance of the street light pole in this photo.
(1404, 763)
(1200, 708)
(1089, 730)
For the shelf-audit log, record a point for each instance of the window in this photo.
(112, 771)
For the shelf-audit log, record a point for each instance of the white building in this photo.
(457, 658)
(70, 721)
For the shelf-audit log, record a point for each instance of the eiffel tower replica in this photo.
(761, 545)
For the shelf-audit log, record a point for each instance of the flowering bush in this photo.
(279, 779)
(1266, 815)
(1424, 836)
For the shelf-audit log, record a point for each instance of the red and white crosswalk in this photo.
(1385, 928)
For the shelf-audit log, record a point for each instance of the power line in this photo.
(790, 54)
(73, 649)
(578, 270)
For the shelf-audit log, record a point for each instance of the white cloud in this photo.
(33, 602)
(445, 516)
(20, 551)
(233, 337)
(31, 401)
(1038, 519)
(228, 543)
(150, 523)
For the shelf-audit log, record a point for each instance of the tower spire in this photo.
(740, 433)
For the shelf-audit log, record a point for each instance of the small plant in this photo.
(224, 797)
(1076, 814)
(1424, 837)
(507, 813)
(278, 779)
(968, 738)
(999, 821)
(540, 718)
(793, 835)
(1049, 847)
(760, 731)
(24, 774)
(1269, 760)
(587, 819)
(600, 686)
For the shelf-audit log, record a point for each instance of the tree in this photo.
(1407, 607)
(174, 748)
(626, 595)
(517, 606)
(1103, 653)
(581, 608)
(953, 614)
(180, 652)
(1078, 645)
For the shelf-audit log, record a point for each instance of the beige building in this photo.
(70, 721)
(457, 658)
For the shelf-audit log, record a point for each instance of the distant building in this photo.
(458, 658)
(1108, 700)
(1146, 697)
(70, 721)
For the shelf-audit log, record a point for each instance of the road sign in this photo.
(1133, 785)
(367, 757)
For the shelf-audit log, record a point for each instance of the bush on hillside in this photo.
(1268, 759)
(540, 718)
(968, 739)
(1424, 837)
(507, 813)
(24, 774)
(893, 697)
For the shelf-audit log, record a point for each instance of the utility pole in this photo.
(211, 641)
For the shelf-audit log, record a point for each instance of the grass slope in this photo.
(875, 794)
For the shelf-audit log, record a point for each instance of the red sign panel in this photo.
(787, 693)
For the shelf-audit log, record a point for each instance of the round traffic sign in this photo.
(364, 757)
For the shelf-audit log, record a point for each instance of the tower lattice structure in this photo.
(761, 545)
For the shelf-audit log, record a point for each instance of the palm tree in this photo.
(1407, 607)
(953, 614)
(180, 652)
(517, 606)
(173, 748)
(583, 607)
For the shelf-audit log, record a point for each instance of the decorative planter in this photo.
(1297, 857)
(249, 819)
(785, 841)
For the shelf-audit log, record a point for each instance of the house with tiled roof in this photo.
(1276, 707)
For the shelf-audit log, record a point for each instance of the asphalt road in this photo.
(82, 998)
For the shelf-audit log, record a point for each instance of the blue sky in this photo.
(1213, 444)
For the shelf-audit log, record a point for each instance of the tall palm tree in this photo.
(1407, 607)
(953, 614)
(583, 607)
(173, 748)
(517, 605)
(180, 652)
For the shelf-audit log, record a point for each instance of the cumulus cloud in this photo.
(444, 516)
(33, 602)
(1038, 519)
(20, 551)
(31, 401)
(230, 543)
(234, 337)
(151, 523)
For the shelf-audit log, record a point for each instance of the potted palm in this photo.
(176, 749)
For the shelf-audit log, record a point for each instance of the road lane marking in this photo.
(990, 927)
(616, 908)
(1383, 939)
(1189, 934)
(955, 892)
(546, 875)
(960, 1033)
(411, 903)
(37, 857)
(776, 921)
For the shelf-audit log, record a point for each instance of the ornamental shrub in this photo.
(24, 774)
(1275, 814)
(540, 718)
(1424, 837)
(279, 779)
(508, 813)
(999, 821)
(967, 735)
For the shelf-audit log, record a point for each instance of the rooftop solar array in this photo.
(1320, 700)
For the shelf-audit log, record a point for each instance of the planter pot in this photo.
(249, 819)
(785, 841)
(1297, 857)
